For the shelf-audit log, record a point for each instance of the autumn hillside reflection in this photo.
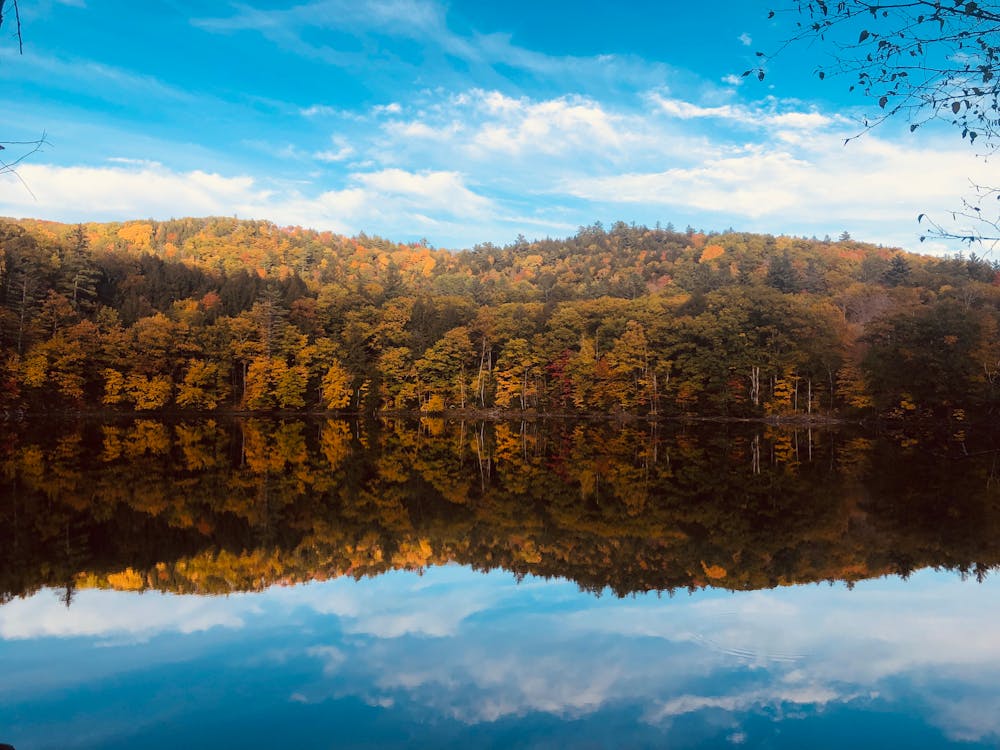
(212, 507)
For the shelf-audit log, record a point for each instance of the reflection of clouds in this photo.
(879, 629)
(834, 645)
(118, 613)
(801, 646)
(970, 716)
(400, 603)
(479, 648)
(685, 704)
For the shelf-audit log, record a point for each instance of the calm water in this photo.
(324, 584)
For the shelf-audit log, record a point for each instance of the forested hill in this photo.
(204, 314)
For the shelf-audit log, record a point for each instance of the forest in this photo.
(220, 314)
(210, 507)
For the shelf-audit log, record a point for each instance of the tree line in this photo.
(218, 313)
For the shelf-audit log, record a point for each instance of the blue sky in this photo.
(456, 122)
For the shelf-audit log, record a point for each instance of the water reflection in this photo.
(456, 658)
(439, 569)
(212, 507)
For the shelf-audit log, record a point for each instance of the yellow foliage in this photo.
(127, 580)
(148, 393)
(138, 234)
(337, 387)
(35, 370)
(433, 404)
(114, 387)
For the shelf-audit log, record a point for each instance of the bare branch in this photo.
(17, 20)
(919, 60)
(31, 147)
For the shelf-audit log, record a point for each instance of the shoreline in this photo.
(486, 415)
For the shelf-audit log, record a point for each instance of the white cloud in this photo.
(134, 162)
(761, 115)
(341, 154)
(805, 120)
(418, 129)
(745, 39)
(427, 191)
(393, 108)
(389, 199)
(549, 126)
(88, 193)
(319, 110)
(341, 151)
(802, 178)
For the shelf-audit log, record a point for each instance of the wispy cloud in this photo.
(767, 114)
(426, 23)
(97, 79)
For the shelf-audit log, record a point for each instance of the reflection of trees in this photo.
(204, 507)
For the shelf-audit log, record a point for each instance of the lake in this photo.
(434, 583)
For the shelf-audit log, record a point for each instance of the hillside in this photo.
(216, 313)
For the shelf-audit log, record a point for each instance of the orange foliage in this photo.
(711, 252)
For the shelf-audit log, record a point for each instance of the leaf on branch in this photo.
(883, 101)
(955, 106)
(864, 35)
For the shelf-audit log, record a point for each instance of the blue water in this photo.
(458, 658)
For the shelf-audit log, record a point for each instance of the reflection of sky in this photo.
(458, 658)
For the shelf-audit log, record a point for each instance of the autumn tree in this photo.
(336, 387)
(515, 375)
(444, 370)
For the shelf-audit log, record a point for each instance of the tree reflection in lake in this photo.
(214, 507)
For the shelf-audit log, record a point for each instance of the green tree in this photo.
(924, 356)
